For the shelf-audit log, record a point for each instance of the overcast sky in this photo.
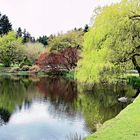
(45, 17)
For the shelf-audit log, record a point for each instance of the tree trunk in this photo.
(137, 67)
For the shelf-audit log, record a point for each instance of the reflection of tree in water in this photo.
(61, 93)
(4, 116)
(64, 98)
(101, 103)
(58, 87)
(13, 92)
(75, 136)
(97, 106)
(26, 105)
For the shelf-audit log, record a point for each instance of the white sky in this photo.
(45, 17)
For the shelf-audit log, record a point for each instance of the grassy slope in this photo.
(126, 126)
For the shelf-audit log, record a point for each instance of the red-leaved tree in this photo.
(71, 57)
(65, 60)
(41, 61)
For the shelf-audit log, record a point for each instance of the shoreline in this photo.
(124, 126)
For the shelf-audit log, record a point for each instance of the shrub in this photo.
(64, 60)
(26, 62)
(9, 52)
(41, 61)
(32, 50)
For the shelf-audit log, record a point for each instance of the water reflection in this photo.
(61, 92)
(55, 108)
(4, 116)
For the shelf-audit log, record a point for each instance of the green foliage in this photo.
(111, 43)
(43, 40)
(26, 36)
(69, 75)
(135, 81)
(5, 25)
(32, 50)
(26, 62)
(19, 32)
(9, 51)
(70, 39)
(12, 50)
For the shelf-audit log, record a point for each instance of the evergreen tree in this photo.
(43, 40)
(26, 36)
(32, 39)
(86, 28)
(19, 32)
(5, 25)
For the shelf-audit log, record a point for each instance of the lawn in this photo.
(126, 126)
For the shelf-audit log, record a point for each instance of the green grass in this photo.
(126, 126)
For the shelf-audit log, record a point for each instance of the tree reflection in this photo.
(61, 93)
(100, 104)
(97, 106)
(54, 88)
(4, 116)
(65, 98)
(75, 136)
(15, 91)
(11, 92)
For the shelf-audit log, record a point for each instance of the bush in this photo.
(32, 50)
(26, 62)
(73, 39)
(65, 60)
(9, 52)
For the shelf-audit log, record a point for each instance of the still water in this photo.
(33, 108)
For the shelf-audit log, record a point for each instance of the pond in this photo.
(33, 108)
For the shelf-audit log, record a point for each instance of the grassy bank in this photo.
(126, 126)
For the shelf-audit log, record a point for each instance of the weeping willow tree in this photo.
(112, 45)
